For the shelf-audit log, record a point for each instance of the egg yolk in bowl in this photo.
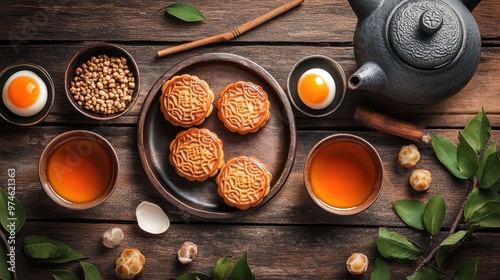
(316, 88)
(24, 93)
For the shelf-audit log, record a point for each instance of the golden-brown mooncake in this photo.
(243, 107)
(186, 100)
(243, 182)
(196, 154)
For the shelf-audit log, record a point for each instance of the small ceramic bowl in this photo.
(44, 75)
(86, 54)
(343, 161)
(69, 160)
(330, 66)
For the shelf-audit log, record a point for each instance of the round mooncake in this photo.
(196, 154)
(243, 107)
(243, 182)
(186, 100)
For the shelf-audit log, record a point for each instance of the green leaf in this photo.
(392, 245)
(446, 152)
(490, 150)
(90, 271)
(411, 212)
(4, 264)
(42, 251)
(487, 216)
(241, 270)
(426, 273)
(450, 241)
(185, 12)
(33, 239)
(491, 172)
(434, 214)
(381, 270)
(64, 275)
(70, 255)
(222, 268)
(467, 270)
(194, 276)
(467, 159)
(476, 199)
(46, 249)
(12, 213)
(478, 131)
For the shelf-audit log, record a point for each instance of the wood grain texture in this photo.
(285, 252)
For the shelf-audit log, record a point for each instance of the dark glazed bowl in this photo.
(375, 157)
(86, 54)
(82, 135)
(322, 62)
(44, 75)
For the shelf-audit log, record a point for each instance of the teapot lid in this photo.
(426, 34)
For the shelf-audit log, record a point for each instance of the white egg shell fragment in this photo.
(32, 109)
(321, 78)
(151, 218)
(112, 237)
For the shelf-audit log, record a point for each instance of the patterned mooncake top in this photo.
(196, 154)
(186, 100)
(243, 107)
(243, 182)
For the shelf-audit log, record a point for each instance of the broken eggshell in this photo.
(151, 218)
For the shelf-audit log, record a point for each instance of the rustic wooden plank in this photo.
(328, 22)
(482, 90)
(22, 147)
(286, 252)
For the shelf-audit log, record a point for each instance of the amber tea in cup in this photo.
(343, 174)
(78, 169)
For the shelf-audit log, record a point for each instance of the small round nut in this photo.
(112, 237)
(130, 264)
(187, 252)
(420, 180)
(408, 156)
(357, 264)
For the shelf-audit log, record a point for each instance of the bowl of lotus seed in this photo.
(102, 81)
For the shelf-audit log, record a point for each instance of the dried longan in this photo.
(357, 264)
(408, 156)
(420, 180)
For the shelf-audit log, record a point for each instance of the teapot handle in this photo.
(390, 125)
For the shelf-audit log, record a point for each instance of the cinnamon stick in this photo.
(233, 33)
(390, 125)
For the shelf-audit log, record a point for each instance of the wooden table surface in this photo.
(287, 238)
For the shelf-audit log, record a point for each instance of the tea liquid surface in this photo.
(80, 170)
(343, 174)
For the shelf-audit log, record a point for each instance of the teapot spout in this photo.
(363, 8)
(368, 77)
(470, 4)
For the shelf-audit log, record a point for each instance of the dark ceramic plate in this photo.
(274, 145)
(44, 75)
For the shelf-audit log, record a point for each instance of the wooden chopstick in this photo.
(233, 33)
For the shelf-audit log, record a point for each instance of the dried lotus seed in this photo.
(112, 237)
(187, 252)
(408, 156)
(420, 180)
(357, 264)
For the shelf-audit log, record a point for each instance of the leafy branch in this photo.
(224, 267)
(471, 159)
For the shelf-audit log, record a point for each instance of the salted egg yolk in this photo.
(24, 93)
(316, 88)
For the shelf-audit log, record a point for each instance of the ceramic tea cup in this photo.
(78, 169)
(343, 174)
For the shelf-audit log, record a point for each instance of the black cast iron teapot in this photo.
(415, 51)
